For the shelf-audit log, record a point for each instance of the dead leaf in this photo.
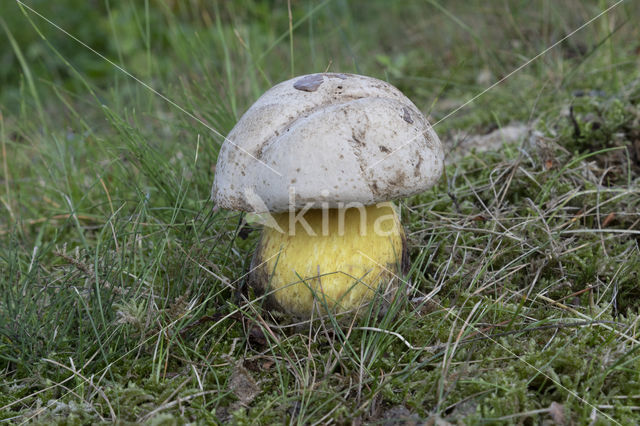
(243, 386)
(257, 336)
(607, 220)
(556, 411)
(309, 83)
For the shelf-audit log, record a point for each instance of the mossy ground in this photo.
(119, 283)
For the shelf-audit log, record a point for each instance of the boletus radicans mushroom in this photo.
(322, 156)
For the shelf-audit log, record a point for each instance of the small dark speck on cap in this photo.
(406, 116)
(309, 83)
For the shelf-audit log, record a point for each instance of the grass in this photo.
(118, 281)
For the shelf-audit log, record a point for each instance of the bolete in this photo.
(323, 155)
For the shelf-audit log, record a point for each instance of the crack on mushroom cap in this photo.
(416, 168)
(357, 142)
(304, 114)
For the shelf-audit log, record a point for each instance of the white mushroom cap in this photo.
(326, 140)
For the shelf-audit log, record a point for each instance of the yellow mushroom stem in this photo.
(335, 258)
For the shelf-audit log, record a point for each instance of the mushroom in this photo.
(322, 156)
